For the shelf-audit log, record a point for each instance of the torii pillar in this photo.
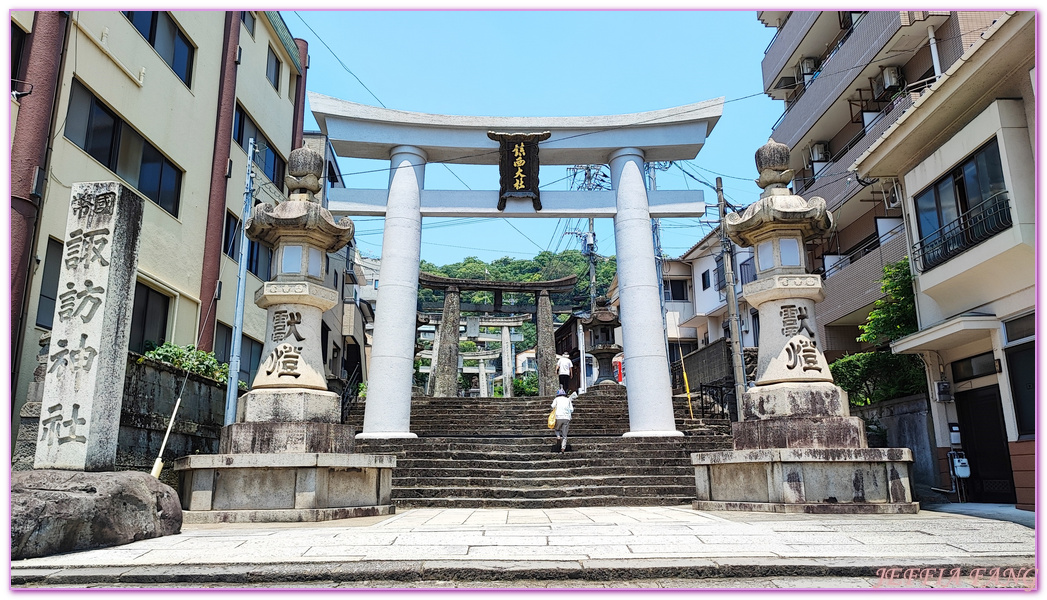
(650, 404)
(388, 410)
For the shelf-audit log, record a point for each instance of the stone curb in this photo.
(449, 570)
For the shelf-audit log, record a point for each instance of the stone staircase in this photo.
(498, 452)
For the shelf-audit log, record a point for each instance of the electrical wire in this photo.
(678, 113)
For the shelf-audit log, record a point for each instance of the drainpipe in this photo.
(297, 134)
(216, 200)
(934, 52)
(45, 53)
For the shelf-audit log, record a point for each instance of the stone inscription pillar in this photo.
(388, 409)
(447, 370)
(545, 348)
(650, 402)
(83, 391)
(507, 364)
(481, 378)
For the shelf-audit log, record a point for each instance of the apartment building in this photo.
(165, 102)
(845, 78)
(963, 158)
(709, 315)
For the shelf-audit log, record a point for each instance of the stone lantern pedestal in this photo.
(797, 449)
(288, 457)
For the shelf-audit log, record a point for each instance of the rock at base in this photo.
(66, 511)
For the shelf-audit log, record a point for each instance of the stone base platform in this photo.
(804, 432)
(284, 487)
(307, 515)
(605, 388)
(290, 405)
(835, 480)
(850, 508)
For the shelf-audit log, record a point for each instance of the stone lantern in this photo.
(288, 457)
(796, 447)
(600, 326)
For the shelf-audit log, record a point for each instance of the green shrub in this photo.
(188, 358)
(870, 377)
(526, 386)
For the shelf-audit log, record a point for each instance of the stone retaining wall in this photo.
(150, 392)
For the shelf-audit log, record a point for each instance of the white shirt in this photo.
(563, 366)
(564, 407)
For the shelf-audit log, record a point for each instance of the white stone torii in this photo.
(410, 139)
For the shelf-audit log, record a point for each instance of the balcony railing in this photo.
(862, 250)
(972, 228)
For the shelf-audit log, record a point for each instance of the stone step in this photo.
(518, 481)
(559, 472)
(572, 502)
(538, 441)
(562, 491)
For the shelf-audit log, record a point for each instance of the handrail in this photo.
(979, 223)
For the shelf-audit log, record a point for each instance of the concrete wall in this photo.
(908, 424)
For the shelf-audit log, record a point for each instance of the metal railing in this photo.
(973, 227)
(862, 250)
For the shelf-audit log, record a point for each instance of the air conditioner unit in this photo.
(820, 152)
(808, 65)
(894, 199)
(887, 82)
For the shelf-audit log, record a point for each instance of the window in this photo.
(259, 259)
(148, 319)
(264, 155)
(231, 239)
(98, 131)
(166, 38)
(706, 282)
(247, 17)
(45, 308)
(17, 47)
(721, 274)
(272, 69)
(1020, 328)
(973, 367)
(250, 351)
(675, 290)
(966, 206)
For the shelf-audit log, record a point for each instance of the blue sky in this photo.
(569, 63)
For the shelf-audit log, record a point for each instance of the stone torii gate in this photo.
(409, 140)
(504, 323)
(447, 381)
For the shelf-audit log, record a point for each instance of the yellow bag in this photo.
(552, 419)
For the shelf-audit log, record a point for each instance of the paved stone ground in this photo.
(596, 547)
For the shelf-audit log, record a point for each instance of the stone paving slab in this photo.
(598, 546)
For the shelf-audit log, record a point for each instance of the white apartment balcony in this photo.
(804, 33)
(822, 108)
(853, 284)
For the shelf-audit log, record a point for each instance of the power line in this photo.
(682, 112)
(522, 233)
(344, 66)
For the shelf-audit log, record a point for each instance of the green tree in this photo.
(870, 377)
(881, 375)
(526, 386)
(894, 315)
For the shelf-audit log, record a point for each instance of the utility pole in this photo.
(233, 389)
(590, 245)
(732, 300)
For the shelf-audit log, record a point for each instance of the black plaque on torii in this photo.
(518, 166)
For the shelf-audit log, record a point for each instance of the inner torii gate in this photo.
(409, 140)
